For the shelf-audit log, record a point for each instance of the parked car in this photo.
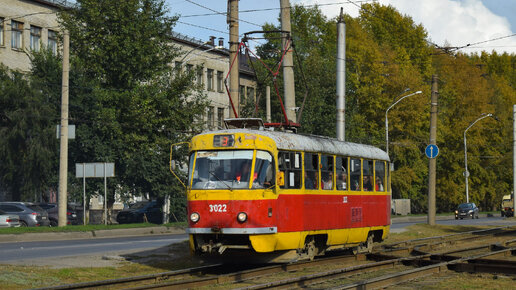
(30, 214)
(466, 210)
(8, 220)
(138, 212)
(53, 214)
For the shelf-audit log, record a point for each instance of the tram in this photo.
(282, 197)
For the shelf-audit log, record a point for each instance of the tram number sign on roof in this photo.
(432, 151)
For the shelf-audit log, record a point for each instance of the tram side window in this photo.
(341, 169)
(368, 175)
(311, 171)
(290, 164)
(263, 170)
(356, 171)
(327, 171)
(379, 172)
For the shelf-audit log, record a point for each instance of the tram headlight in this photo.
(241, 217)
(194, 217)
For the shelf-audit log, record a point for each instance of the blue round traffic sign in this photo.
(432, 151)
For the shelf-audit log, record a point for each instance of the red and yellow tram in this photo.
(284, 197)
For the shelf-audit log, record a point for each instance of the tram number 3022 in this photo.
(218, 208)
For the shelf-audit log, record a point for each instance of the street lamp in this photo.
(387, 121)
(466, 172)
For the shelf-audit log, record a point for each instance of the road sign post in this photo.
(94, 170)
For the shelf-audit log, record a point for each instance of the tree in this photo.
(28, 139)
(134, 105)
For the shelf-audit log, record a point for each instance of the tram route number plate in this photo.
(223, 140)
(218, 208)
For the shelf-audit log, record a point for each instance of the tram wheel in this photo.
(311, 250)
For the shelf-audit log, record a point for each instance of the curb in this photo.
(98, 234)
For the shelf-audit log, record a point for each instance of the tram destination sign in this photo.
(223, 140)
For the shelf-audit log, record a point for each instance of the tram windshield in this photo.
(229, 169)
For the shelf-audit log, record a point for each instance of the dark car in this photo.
(466, 210)
(53, 214)
(140, 212)
(30, 214)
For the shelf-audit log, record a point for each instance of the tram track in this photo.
(395, 263)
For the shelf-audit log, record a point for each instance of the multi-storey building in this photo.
(211, 62)
(27, 26)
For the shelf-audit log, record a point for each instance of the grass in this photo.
(81, 228)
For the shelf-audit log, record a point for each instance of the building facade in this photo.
(25, 26)
(210, 60)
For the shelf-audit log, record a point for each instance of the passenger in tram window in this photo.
(379, 185)
(341, 181)
(328, 181)
(245, 170)
(367, 183)
(309, 183)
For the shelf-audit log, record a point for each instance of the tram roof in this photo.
(311, 143)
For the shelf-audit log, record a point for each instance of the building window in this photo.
(209, 79)
(211, 117)
(52, 41)
(220, 117)
(199, 76)
(189, 68)
(2, 31)
(220, 79)
(177, 66)
(250, 94)
(16, 34)
(242, 94)
(35, 37)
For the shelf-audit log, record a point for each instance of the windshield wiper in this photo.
(213, 174)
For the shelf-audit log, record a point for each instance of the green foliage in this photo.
(386, 52)
(28, 135)
(120, 43)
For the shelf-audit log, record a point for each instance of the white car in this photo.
(8, 220)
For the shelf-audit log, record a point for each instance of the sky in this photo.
(484, 24)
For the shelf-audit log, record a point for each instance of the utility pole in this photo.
(341, 78)
(234, 42)
(432, 161)
(288, 63)
(268, 104)
(63, 148)
(514, 159)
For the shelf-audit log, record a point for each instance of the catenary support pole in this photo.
(288, 63)
(268, 104)
(432, 161)
(234, 42)
(84, 193)
(514, 160)
(63, 144)
(341, 78)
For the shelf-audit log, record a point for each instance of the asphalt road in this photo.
(19, 251)
(57, 251)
